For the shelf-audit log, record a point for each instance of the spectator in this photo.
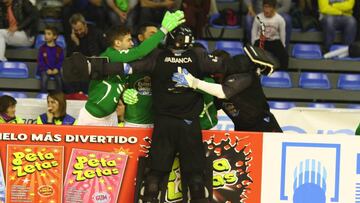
(256, 6)
(8, 109)
(85, 38)
(92, 10)
(335, 15)
(117, 11)
(50, 60)
(357, 16)
(18, 23)
(56, 111)
(274, 32)
(196, 12)
(153, 10)
(120, 111)
(305, 15)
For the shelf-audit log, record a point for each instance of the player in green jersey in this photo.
(104, 95)
(140, 114)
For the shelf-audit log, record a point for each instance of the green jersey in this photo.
(141, 112)
(358, 130)
(104, 95)
(208, 118)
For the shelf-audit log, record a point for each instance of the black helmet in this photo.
(180, 38)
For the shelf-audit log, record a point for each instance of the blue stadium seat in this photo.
(204, 43)
(14, 94)
(321, 105)
(339, 46)
(349, 81)
(281, 105)
(311, 80)
(40, 41)
(233, 47)
(13, 70)
(354, 106)
(217, 15)
(279, 79)
(307, 51)
(42, 96)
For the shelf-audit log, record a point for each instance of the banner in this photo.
(34, 173)
(295, 120)
(236, 159)
(311, 169)
(307, 121)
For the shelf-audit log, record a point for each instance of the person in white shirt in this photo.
(272, 26)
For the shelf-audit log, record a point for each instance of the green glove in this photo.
(130, 96)
(122, 5)
(172, 20)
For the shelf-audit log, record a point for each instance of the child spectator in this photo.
(8, 109)
(274, 32)
(50, 59)
(56, 113)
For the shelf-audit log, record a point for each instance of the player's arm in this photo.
(232, 85)
(208, 63)
(169, 22)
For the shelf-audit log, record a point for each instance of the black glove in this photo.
(263, 60)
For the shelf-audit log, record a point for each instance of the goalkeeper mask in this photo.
(180, 38)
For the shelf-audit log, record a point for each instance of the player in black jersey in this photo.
(246, 106)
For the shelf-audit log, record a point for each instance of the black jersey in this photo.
(247, 103)
(175, 101)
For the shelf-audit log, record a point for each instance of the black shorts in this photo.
(173, 135)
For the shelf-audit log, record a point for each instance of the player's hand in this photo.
(172, 20)
(130, 96)
(184, 79)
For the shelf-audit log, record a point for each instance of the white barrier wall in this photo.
(296, 120)
(311, 168)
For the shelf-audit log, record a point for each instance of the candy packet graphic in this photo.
(34, 173)
(94, 176)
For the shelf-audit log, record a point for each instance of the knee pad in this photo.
(152, 186)
(196, 186)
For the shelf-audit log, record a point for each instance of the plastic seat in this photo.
(281, 105)
(42, 96)
(321, 105)
(13, 70)
(307, 51)
(311, 80)
(40, 40)
(339, 46)
(353, 106)
(217, 15)
(279, 79)
(233, 47)
(204, 43)
(349, 81)
(14, 94)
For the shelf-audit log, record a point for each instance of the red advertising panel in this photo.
(236, 156)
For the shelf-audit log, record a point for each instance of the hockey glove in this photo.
(172, 20)
(184, 79)
(262, 59)
(130, 96)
